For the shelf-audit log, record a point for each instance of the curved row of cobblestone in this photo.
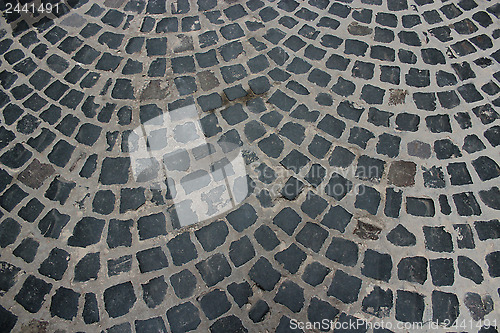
(370, 135)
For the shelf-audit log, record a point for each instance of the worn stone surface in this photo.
(35, 174)
(362, 136)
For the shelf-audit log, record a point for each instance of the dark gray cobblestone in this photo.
(368, 131)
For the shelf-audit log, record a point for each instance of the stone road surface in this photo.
(370, 138)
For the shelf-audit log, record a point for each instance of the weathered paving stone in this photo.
(294, 132)
(316, 174)
(492, 261)
(478, 306)
(425, 101)
(312, 236)
(215, 304)
(88, 267)
(86, 232)
(377, 265)
(32, 294)
(15, 157)
(420, 207)
(183, 317)
(407, 122)
(290, 295)
(466, 204)
(341, 157)
(5, 179)
(214, 269)
(469, 269)
(59, 190)
(242, 218)
(485, 113)
(343, 251)
(266, 237)
(258, 311)
(151, 260)
(368, 199)
(448, 99)
(442, 271)
(315, 273)
(393, 199)
(264, 275)
(302, 112)
(212, 236)
(459, 175)
(445, 307)
(182, 249)
(437, 239)
(349, 111)
(241, 251)
(379, 302)
(344, 87)
(486, 168)
(287, 219)
(119, 265)
(272, 119)
(43, 140)
(151, 226)
(314, 205)
(125, 327)
(265, 173)
(337, 62)
(433, 177)
(114, 171)
(230, 323)
(413, 269)
(240, 292)
(8, 274)
(119, 299)
(27, 250)
(64, 303)
(466, 238)
(409, 306)
(291, 258)
(131, 199)
(183, 283)
(55, 264)
(12, 197)
(8, 320)
(491, 135)
(344, 287)
(360, 136)
(119, 233)
(487, 229)
(369, 168)
(445, 206)
(400, 236)
(337, 218)
(390, 74)
(271, 145)
(151, 324)
(332, 126)
(232, 69)
(438, 123)
(235, 92)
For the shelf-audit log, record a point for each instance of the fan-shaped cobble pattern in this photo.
(369, 133)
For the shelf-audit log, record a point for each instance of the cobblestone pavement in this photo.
(370, 144)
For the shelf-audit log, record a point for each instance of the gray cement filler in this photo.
(234, 166)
